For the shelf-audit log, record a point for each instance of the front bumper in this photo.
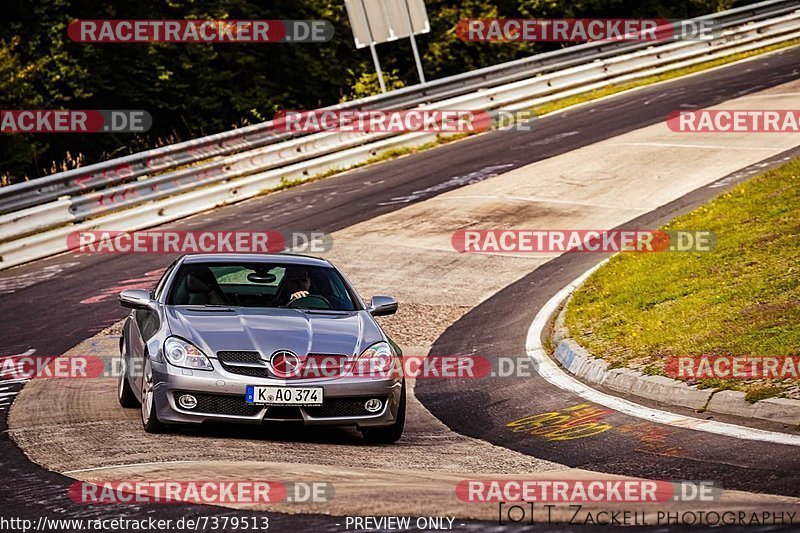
(221, 398)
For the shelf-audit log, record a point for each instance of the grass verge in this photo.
(742, 299)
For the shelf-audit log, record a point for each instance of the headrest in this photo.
(195, 284)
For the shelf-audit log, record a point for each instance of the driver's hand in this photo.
(298, 294)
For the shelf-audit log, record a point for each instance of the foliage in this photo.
(367, 84)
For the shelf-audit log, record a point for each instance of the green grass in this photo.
(757, 393)
(741, 299)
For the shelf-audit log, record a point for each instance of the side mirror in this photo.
(136, 299)
(382, 306)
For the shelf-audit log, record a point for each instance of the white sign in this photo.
(380, 21)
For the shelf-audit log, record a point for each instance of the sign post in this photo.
(413, 39)
(372, 47)
(380, 21)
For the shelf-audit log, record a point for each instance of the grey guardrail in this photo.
(110, 173)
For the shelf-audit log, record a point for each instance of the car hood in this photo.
(270, 330)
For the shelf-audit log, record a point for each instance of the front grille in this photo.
(317, 366)
(221, 404)
(253, 372)
(229, 359)
(283, 413)
(339, 407)
(239, 357)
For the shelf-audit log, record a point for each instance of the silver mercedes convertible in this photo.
(259, 339)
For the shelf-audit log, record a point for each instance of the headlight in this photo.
(185, 354)
(377, 359)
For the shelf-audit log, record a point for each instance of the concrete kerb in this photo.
(579, 362)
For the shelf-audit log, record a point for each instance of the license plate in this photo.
(288, 396)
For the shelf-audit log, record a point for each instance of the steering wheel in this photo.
(312, 301)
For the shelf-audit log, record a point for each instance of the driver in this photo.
(298, 283)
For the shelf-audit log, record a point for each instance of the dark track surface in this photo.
(48, 315)
(481, 408)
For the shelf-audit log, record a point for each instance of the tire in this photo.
(150, 421)
(391, 434)
(125, 395)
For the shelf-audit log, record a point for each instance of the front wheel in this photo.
(150, 421)
(125, 395)
(391, 434)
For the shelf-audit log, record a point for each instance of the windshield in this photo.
(261, 285)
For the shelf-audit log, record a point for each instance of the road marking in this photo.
(30, 351)
(111, 467)
(774, 95)
(15, 380)
(550, 140)
(6, 384)
(702, 146)
(576, 422)
(539, 256)
(531, 255)
(452, 183)
(748, 171)
(539, 199)
(14, 283)
(552, 373)
(147, 282)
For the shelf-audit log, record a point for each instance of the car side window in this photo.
(163, 281)
(148, 323)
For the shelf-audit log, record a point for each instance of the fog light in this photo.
(187, 401)
(374, 405)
